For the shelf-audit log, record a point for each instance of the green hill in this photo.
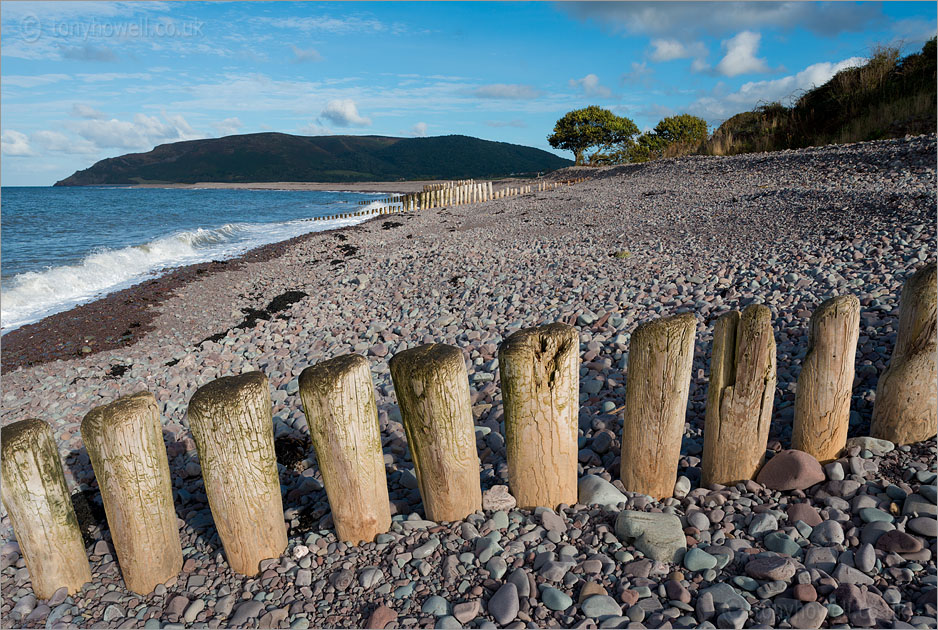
(280, 157)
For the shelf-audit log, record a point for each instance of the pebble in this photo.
(504, 605)
(874, 515)
(658, 536)
(791, 470)
(698, 560)
(498, 498)
(811, 615)
(774, 568)
(380, 617)
(761, 525)
(827, 533)
(924, 526)
(465, 612)
(436, 606)
(598, 606)
(594, 490)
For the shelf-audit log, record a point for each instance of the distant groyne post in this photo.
(339, 401)
(822, 399)
(231, 422)
(906, 408)
(124, 440)
(40, 508)
(740, 396)
(432, 387)
(660, 360)
(540, 379)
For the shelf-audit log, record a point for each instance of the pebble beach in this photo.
(851, 543)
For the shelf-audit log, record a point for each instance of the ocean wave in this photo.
(30, 296)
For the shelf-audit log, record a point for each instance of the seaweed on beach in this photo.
(118, 370)
(280, 303)
(387, 225)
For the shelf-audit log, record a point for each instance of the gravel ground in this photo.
(697, 234)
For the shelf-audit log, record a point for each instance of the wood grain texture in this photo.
(906, 407)
(40, 508)
(540, 380)
(339, 401)
(432, 388)
(124, 440)
(825, 385)
(740, 396)
(660, 360)
(233, 429)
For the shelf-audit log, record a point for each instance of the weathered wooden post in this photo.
(339, 402)
(740, 396)
(40, 508)
(540, 379)
(125, 444)
(231, 422)
(432, 388)
(660, 361)
(906, 408)
(822, 399)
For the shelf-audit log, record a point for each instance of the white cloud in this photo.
(144, 132)
(325, 24)
(302, 55)
(84, 111)
(14, 143)
(60, 143)
(314, 129)
(671, 49)
(344, 113)
(740, 55)
(228, 126)
(31, 81)
(591, 86)
(101, 77)
(419, 130)
(638, 73)
(505, 91)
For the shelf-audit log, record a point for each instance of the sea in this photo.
(61, 247)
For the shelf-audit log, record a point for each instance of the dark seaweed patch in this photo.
(90, 515)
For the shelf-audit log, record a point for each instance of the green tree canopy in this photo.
(685, 129)
(591, 126)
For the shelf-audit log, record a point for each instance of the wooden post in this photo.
(339, 402)
(540, 379)
(822, 399)
(125, 444)
(231, 422)
(906, 408)
(660, 361)
(40, 508)
(740, 396)
(432, 388)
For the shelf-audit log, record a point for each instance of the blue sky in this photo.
(86, 80)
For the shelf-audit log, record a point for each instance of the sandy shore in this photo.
(698, 234)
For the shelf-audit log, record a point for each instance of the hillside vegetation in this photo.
(279, 157)
(889, 97)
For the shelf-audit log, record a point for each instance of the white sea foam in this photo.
(33, 295)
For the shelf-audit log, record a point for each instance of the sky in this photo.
(83, 81)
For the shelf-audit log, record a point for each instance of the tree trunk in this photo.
(906, 408)
(660, 361)
(40, 508)
(231, 422)
(125, 444)
(432, 388)
(540, 379)
(339, 402)
(740, 396)
(822, 400)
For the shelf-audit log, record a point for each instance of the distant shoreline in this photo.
(391, 187)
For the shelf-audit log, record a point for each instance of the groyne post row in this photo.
(231, 423)
(454, 193)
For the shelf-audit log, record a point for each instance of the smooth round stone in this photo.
(923, 526)
(780, 542)
(898, 542)
(555, 599)
(597, 606)
(699, 520)
(436, 606)
(745, 582)
(497, 567)
(698, 560)
(895, 492)
(875, 515)
(833, 610)
(504, 604)
(448, 622)
(827, 533)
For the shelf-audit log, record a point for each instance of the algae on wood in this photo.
(540, 379)
(906, 407)
(661, 356)
(339, 401)
(825, 385)
(40, 508)
(124, 440)
(740, 396)
(432, 388)
(232, 425)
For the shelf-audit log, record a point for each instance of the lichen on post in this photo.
(540, 382)
(822, 399)
(906, 407)
(231, 422)
(661, 356)
(339, 402)
(432, 388)
(40, 508)
(124, 440)
(740, 396)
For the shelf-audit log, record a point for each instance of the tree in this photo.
(591, 126)
(683, 129)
